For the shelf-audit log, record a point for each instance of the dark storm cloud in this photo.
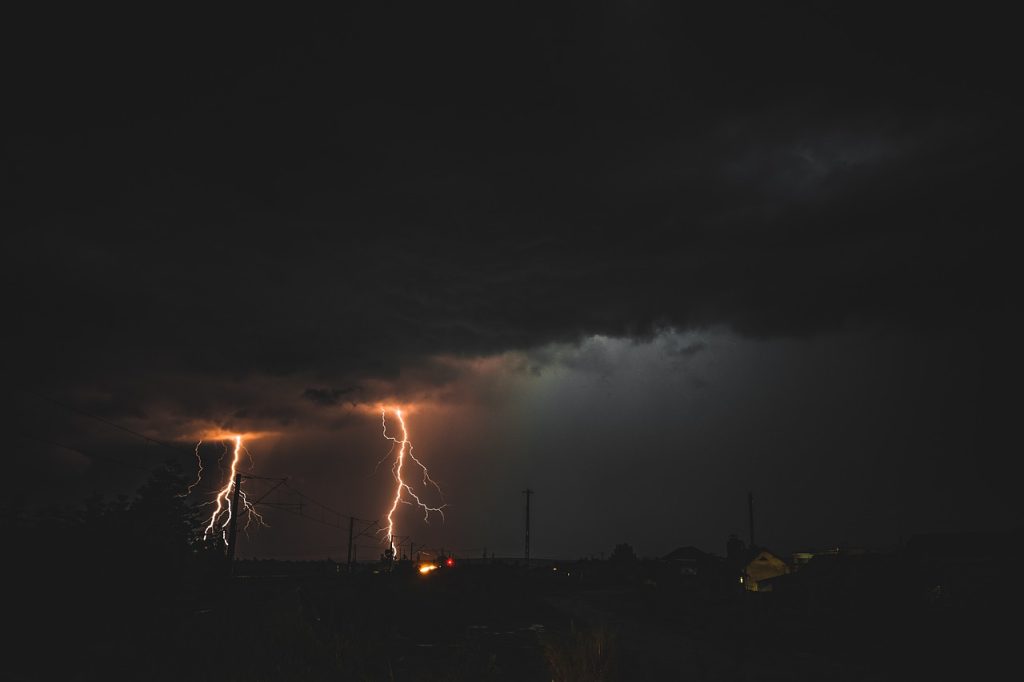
(343, 204)
(624, 251)
(327, 397)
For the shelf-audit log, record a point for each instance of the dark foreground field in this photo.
(491, 622)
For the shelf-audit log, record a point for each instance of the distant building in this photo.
(688, 560)
(692, 570)
(801, 559)
(835, 581)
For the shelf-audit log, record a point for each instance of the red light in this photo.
(449, 562)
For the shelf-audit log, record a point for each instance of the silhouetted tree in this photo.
(623, 564)
(623, 554)
(164, 532)
(123, 570)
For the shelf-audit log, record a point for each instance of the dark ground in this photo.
(494, 622)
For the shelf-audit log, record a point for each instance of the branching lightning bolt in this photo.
(402, 488)
(221, 516)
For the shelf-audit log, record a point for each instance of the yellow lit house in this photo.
(762, 566)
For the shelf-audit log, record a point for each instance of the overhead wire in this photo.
(182, 450)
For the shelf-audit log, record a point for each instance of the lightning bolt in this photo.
(221, 516)
(402, 488)
(199, 472)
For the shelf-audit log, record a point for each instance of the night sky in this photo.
(638, 257)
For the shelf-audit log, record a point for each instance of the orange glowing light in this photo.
(401, 487)
(217, 433)
(427, 568)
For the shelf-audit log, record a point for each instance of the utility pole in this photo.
(750, 510)
(528, 492)
(351, 523)
(233, 531)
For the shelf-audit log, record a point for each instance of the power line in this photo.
(70, 408)
(167, 446)
(106, 458)
(320, 520)
(90, 455)
(272, 489)
(324, 506)
(182, 450)
(315, 552)
(279, 482)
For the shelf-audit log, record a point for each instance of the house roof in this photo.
(688, 553)
(753, 552)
